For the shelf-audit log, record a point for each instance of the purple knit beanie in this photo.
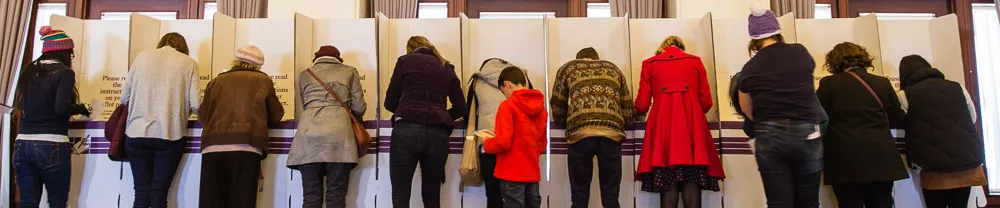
(763, 23)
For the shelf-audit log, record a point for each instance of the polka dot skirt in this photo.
(662, 178)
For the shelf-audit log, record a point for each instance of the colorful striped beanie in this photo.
(54, 40)
(250, 54)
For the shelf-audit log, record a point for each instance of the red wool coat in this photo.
(674, 91)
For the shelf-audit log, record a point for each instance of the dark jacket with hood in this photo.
(940, 133)
(859, 146)
(237, 108)
(49, 99)
(520, 129)
(420, 88)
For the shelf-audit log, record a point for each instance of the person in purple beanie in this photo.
(776, 92)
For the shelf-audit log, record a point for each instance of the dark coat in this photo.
(940, 133)
(237, 108)
(859, 146)
(420, 88)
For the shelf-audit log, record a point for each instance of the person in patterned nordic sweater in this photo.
(591, 98)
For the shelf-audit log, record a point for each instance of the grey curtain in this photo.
(637, 8)
(244, 8)
(15, 16)
(397, 9)
(804, 9)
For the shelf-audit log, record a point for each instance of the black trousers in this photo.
(954, 198)
(487, 163)
(581, 170)
(338, 178)
(229, 179)
(864, 195)
(413, 144)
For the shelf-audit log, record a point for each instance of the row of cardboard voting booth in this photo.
(106, 48)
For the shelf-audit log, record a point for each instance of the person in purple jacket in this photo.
(421, 85)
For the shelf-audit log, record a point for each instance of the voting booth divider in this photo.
(541, 46)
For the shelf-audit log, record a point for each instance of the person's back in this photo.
(161, 90)
(940, 132)
(601, 100)
(420, 87)
(239, 104)
(49, 102)
(780, 80)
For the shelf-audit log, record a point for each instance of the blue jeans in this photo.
(39, 163)
(520, 195)
(154, 163)
(790, 159)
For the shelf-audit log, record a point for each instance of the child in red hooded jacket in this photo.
(520, 138)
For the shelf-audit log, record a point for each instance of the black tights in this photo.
(690, 191)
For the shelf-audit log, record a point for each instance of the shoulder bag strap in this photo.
(334, 94)
(872, 91)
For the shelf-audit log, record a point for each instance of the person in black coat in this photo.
(861, 157)
(941, 136)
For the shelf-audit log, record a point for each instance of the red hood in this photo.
(531, 102)
(669, 54)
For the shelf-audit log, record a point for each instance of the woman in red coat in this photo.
(679, 156)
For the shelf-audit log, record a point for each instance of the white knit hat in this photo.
(250, 54)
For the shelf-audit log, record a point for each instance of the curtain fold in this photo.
(243, 8)
(637, 8)
(397, 9)
(803, 9)
(15, 15)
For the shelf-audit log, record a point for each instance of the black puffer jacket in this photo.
(940, 133)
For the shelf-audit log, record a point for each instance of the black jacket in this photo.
(940, 133)
(859, 146)
(49, 99)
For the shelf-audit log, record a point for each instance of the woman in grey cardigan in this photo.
(324, 144)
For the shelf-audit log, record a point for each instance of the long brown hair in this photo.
(176, 41)
(756, 45)
(670, 41)
(416, 42)
(847, 56)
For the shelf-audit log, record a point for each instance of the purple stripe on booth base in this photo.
(284, 125)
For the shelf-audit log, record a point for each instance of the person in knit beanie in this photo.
(776, 92)
(324, 145)
(46, 98)
(235, 113)
(248, 57)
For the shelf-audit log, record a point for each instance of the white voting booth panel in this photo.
(445, 35)
(743, 186)
(820, 36)
(101, 64)
(495, 38)
(645, 36)
(275, 38)
(356, 40)
(936, 40)
(145, 35)
(565, 37)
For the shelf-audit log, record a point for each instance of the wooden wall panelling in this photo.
(560, 7)
(97, 7)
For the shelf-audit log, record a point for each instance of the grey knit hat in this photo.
(763, 23)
